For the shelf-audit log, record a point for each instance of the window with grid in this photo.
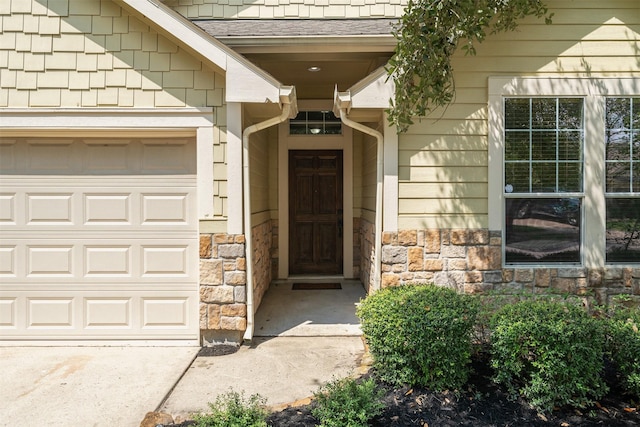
(622, 176)
(543, 177)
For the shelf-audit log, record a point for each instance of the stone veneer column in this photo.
(223, 301)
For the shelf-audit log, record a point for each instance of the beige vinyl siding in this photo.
(259, 176)
(92, 53)
(288, 9)
(443, 158)
(357, 173)
(369, 178)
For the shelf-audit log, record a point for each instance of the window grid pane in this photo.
(315, 123)
(622, 141)
(622, 144)
(548, 134)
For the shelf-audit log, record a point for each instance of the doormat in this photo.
(315, 286)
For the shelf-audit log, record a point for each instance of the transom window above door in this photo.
(315, 123)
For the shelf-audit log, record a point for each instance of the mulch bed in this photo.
(480, 404)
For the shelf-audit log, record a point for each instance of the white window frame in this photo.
(594, 91)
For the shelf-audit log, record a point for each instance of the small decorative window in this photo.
(315, 123)
(543, 177)
(622, 141)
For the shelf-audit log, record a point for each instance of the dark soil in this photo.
(480, 404)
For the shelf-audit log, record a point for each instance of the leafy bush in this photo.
(347, 403)
(232, 409)
(419, 335)
(549, 352)
(624, 346)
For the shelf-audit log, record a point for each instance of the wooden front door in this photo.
(315, 212)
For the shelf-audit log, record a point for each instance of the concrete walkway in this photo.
(308, 338)
(283, 370)
(86, 386)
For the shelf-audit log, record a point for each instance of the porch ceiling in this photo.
(346, 50)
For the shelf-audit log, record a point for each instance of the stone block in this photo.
(478, 237)
(241, 264)
(432, 241)
(231, 251)
(457, 264)
(524, 275)
(389, 279)
(213, 316)
(235, 278)
(473, 277)
(416, 255)
(205, 246)
(458, 237)
(394, 254)
(233, 323)
(476, 288)
(240, 294)
(399, 268)
(217, 294)
(406, 276)
(508, 274)
(542, 277)
(492, 276)
(407, 237)
(453, 251)
(221, 238)
(211, 272)
(204, 318)
(563, 284)
(484, 258)
(572, 272)
(433, 265)
(611, 274)
(229, 265)
(239, 238)
(389, 238)
(234, 310)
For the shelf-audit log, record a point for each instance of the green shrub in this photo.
(347, 403)
(419, 335)
(549, 352)
(624, 346)
(233, 410)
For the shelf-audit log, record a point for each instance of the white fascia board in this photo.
(241, 74)
(374, 91)
(246, 85)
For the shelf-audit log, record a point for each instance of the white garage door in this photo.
(98, 239)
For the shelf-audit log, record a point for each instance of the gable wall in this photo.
(443, 159)
(92, 53)
(287, 9)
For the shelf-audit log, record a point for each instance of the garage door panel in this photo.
(7, 209)
(8, 313)
(50, 157)
(100, 315)
(99, 240)
(8, 258)
(128, 258)
(101, 207)
(50, 313)
(107, 208)
(50, 260)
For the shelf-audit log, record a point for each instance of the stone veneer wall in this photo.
(367, 257)
(223, 298)
(262, 265)
(470, 261)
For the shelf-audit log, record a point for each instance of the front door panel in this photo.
(315, 212)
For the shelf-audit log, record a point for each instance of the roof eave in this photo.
(238, 70)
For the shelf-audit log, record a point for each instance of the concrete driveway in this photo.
(86, 386)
